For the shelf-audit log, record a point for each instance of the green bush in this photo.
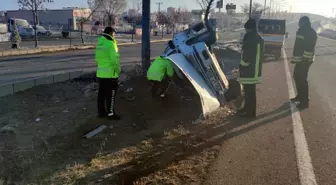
(15, 36)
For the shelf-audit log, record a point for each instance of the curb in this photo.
(12, 88)
(63, 48)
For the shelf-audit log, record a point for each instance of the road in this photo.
(264, 151)
(271, 149)
(17, 68)
(74, 41)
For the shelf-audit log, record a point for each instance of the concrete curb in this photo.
(63, 48)
(133, 69)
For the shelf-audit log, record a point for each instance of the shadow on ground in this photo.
(155, 143)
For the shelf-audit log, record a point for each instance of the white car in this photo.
(41, 31)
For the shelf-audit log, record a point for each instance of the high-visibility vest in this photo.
(159, 69)
(107, 57)
(304, 47)
(251, 61)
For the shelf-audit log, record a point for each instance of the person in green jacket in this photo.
(108, 69)
(159, 73)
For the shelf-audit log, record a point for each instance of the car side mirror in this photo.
(286, 35)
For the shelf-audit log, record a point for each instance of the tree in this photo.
(93, 5)
(15, 37)
(204, 3)
(185, 17)
(207, 7)
(112, 8)
(257, 10)
(34, 6)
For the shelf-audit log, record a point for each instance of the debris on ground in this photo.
(158, 141)
(95, 131)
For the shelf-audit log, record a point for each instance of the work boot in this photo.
(247, 115)
(296, 99)
(303, 105)
(102, 115)
(241, 110)
(113, 116)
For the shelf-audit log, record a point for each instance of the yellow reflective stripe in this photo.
(244, 63)
(308, 53)
(256, 72)
(249, 80)
(104, 69)
(307, 56)
(296, 59)
(299, 36)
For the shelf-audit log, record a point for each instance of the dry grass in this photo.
(156, 144)
(179, 157)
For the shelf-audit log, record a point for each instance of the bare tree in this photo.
(93, 5)
(203, 3)
(207, 6)
(162, 19)
(185, 17)
(34, 6)
(136, 17)
(137, 6)
(257, 10)
(112, 8)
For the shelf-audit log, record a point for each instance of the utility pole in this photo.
(145, 46)
(159, 6)
(159, 12)
(265, 7)
(270, 10)
(250, 12)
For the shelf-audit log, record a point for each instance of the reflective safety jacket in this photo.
(107, 57)
(252, 56)
(304, 47)
(159, 69)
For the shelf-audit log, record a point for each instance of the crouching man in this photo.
(159, 73)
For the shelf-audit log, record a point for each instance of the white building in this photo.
(171, 10)
(132, 12)
(68, 17)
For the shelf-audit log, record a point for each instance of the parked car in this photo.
(41, 31)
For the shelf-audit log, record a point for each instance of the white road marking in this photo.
(304, 164)
(326, 38)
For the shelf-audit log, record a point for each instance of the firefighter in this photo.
(303, 57)
(159, 73)
(108, 69)
(250, 67)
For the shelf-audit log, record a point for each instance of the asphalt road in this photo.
(52, 41)
(270, 150)
(18, 68)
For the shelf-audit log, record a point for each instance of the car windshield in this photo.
(40, 28)
(29, 29)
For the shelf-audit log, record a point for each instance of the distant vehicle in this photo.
(41, 31)
(274, 33)
(24, 28)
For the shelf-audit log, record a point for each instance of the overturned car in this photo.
(191, 53)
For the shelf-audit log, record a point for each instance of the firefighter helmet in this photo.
(304, 21)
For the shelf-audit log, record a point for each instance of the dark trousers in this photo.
(301, 82)
(159, 88)
(106, 95)
(250, 104)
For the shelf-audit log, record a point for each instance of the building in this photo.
(132, 12)
(171, 10)
(67, 18)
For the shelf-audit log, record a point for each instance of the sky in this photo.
(322, 7)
